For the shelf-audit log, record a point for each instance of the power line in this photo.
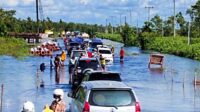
(149, 11)
(41, 11)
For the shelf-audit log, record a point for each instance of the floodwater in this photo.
(167, 90)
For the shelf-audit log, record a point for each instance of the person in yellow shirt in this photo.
(47, 109)
(103, 62)
(63, 57)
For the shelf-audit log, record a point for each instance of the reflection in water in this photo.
(57, 75)
(156, 71)
(60, 75)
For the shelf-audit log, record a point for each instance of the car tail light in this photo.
(137, 107)
(86, 107)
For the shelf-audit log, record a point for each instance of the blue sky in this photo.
(97, 11)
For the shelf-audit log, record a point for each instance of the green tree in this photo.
(156, 24)
(194, 13)
(182, 24)
(128, 35)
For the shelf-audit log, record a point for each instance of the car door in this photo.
(79, 100)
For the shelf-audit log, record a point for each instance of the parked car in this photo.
(95, 42)
(77, 53)
(101, 75)
(106, 54)
(73, 46)
(82, 65)
(104, 96)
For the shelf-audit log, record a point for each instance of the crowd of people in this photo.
(58, 104)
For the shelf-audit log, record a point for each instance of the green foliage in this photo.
(9, 23)
(13, 47)
(177, 46)
(113, 37)
(128, 35)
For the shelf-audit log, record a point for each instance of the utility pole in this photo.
(125, 20)
(120, 20)
(37, 15)
(174, 18)
(112, 23)
(130, 11)
(106, 25)
(137, 28)
(162, 30)
(149, 11)
(189, 28)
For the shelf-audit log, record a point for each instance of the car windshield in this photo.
(84, 64)
(110, 98)
(104, 76)
(94, 44)
(78, 53)
(105, 51)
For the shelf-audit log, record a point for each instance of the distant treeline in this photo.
(9, 23)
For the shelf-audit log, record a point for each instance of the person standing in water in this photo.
(122, 54)
(63, 57)
(103, 62)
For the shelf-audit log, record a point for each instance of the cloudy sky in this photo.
(97, 11)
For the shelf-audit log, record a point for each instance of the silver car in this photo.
(104, 96)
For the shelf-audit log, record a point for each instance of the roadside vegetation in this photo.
(13, 47)
(157, 34)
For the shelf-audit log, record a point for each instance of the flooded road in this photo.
(165, 90)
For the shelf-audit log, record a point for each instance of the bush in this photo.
(13, 47)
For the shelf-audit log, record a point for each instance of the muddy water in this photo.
(167, 90)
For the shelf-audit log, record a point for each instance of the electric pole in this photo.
(112, 23)
(120, 20)
(106, 25)
(189, 28)
(174, 18)
(37, 16)
(125, 20)
(137, 28)
(149, 11)
(130, 11)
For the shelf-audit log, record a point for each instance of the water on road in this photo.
(167, 90)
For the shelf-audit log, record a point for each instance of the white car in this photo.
(104, 96)
(106, 53)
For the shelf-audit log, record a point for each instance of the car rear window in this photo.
(94, 44)
(110, 98)
(74, 44)
(84, 64)
(78, 53)
(105, 51)
(109, 76)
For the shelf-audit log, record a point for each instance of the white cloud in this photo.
(27, 2)
(10, 2)
(84, 2)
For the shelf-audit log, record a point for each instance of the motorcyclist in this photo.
(28, 107)
(58, 105)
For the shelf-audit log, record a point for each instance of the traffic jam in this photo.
(94, 88)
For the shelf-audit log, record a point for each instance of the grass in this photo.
(13, 47)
